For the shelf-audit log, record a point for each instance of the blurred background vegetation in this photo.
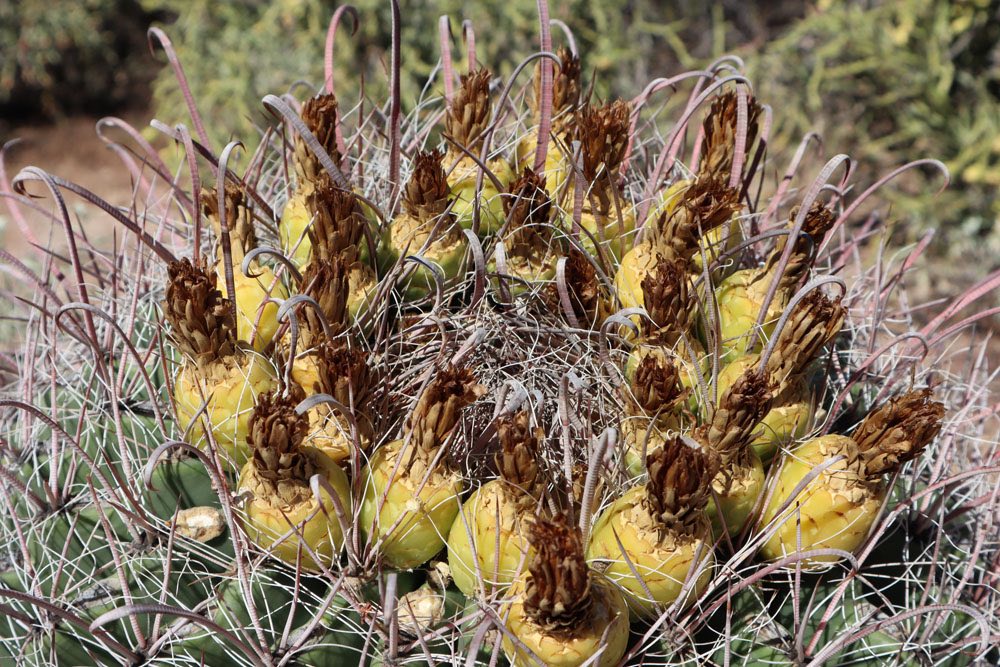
(886, 81)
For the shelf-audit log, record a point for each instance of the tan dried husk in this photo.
(720, 127)
(680, 481)
(603, 132)
(469, 112)
(344, 374)
(338, 223)
(898, 432)
(814, 322)
(517, 460)
(426, 194)
(275, 435)
(817, 222)
(528, 210)
(708, 203)
(740, 410)
(239, 218)
(655, 387)
(565, 91)
(438, 410)
(558, 589)
(667, 301)
(319, 113)
(326, 281)
(201, 319)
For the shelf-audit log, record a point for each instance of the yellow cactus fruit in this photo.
(836, 509)
(659, 531)
(411, 496)
(563, 614)
(215, 372)
(283, 514)
(740, 481)
(427, 227)
(498, 514)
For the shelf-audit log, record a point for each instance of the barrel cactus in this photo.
(501, 382)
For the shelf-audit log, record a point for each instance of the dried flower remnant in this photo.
(563, 612)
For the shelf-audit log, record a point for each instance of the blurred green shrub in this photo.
(71, 55)
(895, 81)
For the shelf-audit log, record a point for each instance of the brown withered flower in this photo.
(736, 418)
(565, 91)
(201, 319)
(656, 386)
(326, 282)
(338, 222)
(426, 194)
(898, 432)
(528, 210)
(815, 321)
(558, 587)
(720, 128)
(239, 217)
(708, 203)
(470, 110)
(275, 435)
(603, 134)
(440, 406)
(517, 460)
(319, 113)
(680, 481)
(667, 300)
(817, 222)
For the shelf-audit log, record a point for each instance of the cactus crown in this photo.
(720, 128)
(680, 481)
(565, 91)
(708, 203)
(656, 386)
(470, 110)
(238, 216)
(735, 419)
(898, 431)
(427, 193)
(319, 113)
(517, 460)
(665, 295)
(201, 319)
(558, 588)
(815, 321)
(275, 434)
(338, 223)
